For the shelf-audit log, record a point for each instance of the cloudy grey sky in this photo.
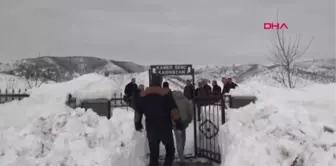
(161, 31)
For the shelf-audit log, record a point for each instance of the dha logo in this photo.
(271, 26)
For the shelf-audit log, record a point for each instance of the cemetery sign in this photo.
(171, 69)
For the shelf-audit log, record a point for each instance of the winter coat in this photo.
(201, 92)
(208, 89)
(185, 107)
(158, 107)
(189, 92)
(216, 90)
(131, 89)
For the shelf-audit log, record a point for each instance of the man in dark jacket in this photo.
(160, 110)
(166, 85)
(228, 85)
(189, 90)
(216, 90)
(207, 87)
(130, 90)
(201, 90)
(200, 99)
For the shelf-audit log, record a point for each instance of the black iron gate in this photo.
(209, 116)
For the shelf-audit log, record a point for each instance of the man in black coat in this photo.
(189, 90)
(216, 90)
(207, 87)
(131, 89)
(200, 99)
(160, 110)
(166, 85)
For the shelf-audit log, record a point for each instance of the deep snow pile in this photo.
(282, 127)
(42, 130)
(50, 98)
(74, 137)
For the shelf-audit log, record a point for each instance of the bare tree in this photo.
(11, 83)
(34, 75)
(285, 55)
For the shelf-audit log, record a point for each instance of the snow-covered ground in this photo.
(281, 125)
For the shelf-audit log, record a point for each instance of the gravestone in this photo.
(241, 101)
(100, 106)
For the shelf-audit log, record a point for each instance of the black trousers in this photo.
(155, 137)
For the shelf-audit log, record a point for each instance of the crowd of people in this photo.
(204, 89)
(168, 112)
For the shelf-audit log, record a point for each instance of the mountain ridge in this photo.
(321, 70)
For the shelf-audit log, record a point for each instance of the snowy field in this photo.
(281, 126)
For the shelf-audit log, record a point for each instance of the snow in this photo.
(41, 130)
(280, 126)
(74, 138)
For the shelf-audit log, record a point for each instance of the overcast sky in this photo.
(161, 31)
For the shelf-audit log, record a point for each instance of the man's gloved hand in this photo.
(178, 124)
(138, 127)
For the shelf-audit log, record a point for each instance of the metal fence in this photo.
(10, 95)
(103, 107)
(210, 115)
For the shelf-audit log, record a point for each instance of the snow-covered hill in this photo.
(318, 70)
(311, 71)
(69, 67)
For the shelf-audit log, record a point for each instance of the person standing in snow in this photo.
(161, 111)
(201, 93)
(189, 90)
(186, 112)
(166, 85)
(207, 87)
(228, 85)
(216, 90)
(136, 95)
(131, 89)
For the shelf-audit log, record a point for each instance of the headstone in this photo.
(100, 106)
(241, 101)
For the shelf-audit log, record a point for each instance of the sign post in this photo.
(171, 69)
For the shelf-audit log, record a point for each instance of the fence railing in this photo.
(103, 107)
(10, 95)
